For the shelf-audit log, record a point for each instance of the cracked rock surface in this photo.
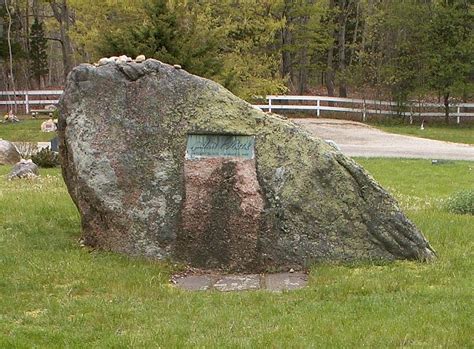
(123, 129)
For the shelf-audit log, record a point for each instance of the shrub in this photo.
(46, 158)
(461, 202)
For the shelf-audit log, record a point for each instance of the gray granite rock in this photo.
(242, 282)
(195, 282)
(24, 169)
(9, 154)
(285, 281)
(291, 201)
(238, 283)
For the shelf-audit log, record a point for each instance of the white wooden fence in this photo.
(29, 98)
(362, 107)
(319, 104)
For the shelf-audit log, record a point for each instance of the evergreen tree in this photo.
(304, 41)
(175, 35)
(229, 41)
(38, 55)
(392, 53)
(451, 61)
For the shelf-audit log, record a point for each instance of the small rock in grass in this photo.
(24, 169)
(48, 126)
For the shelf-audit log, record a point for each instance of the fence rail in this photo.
(362, 107)
(319, 104)
(23, 98)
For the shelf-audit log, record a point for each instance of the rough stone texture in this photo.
(24, 169)
(226, 283)
(9, 154)
(195, 282)
(123, 129)
(285, 281)
(221, 214)
(238, 283)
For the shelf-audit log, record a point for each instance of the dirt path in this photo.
(357, 139)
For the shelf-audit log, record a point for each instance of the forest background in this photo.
(383, 49)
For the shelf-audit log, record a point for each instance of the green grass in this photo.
(25, 131)
(55, 294)
(454, 133)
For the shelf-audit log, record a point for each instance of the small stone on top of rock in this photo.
(140, 59)
(120, 60)
(104, 61)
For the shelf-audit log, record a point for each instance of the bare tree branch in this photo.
(9, 41)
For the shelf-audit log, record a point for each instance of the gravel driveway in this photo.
(357, 139)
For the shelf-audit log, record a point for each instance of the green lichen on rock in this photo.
(123, 131)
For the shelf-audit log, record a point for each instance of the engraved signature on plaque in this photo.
(210, 146)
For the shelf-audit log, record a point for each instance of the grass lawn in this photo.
(28, 130)
(453, 133)
(55, 294)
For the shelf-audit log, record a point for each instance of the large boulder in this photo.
(166, 164)
(9, 154)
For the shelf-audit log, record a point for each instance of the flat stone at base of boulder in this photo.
(195, 282)
(285, 281)
(227, 283)
(238, 283)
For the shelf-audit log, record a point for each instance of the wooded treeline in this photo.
(398, 49)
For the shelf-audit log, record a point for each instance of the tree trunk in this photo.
(10, 52)
(446, 107)
(302, 71)
(63, 16)
(285, 54)
(330, 75)
(342, 57)
(354, 38)
(341, 40)
(286, 40)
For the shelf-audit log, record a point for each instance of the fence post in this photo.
(458, 119)
(364, 112)
(269, 104)
(420, 107)
(318, 112)
(27, 105)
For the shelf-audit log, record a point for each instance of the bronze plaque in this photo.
(217, 146)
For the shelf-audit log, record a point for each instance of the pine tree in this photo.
(38, 55)
(450, 55)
